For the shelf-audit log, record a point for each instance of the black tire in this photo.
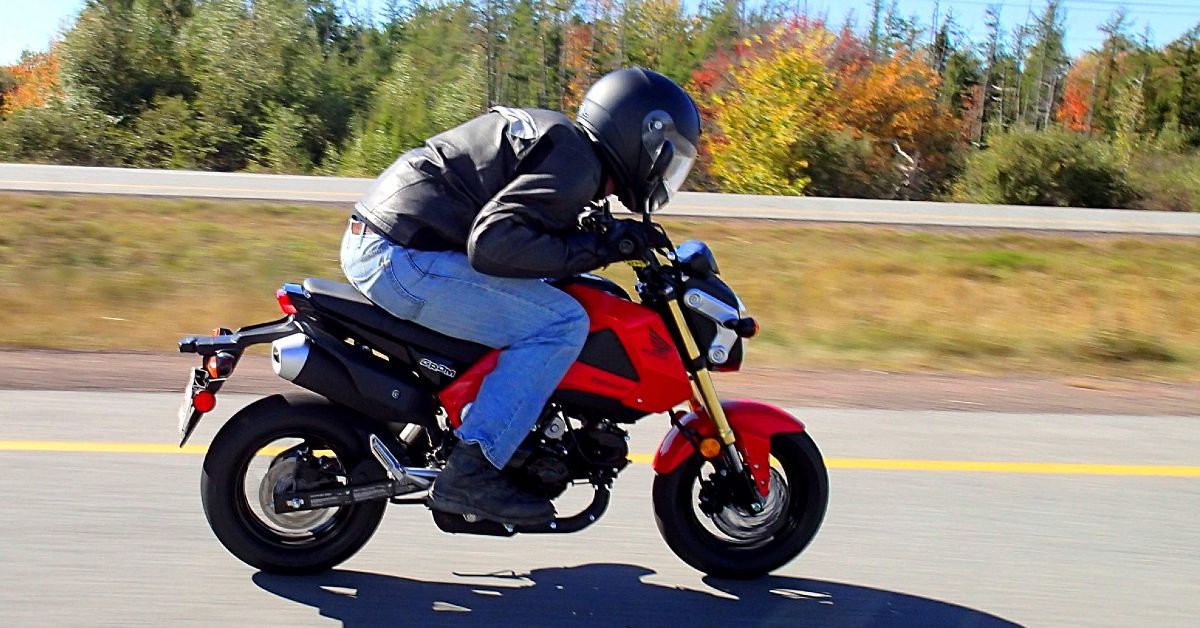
(679, 521)
(222, 484)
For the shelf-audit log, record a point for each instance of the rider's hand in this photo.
(626, 240)
(595, 219)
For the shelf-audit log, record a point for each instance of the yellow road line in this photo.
(98, 448)
(860, 464)
(1041, 468)
(87, 447)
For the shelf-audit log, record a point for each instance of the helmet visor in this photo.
(681, 164)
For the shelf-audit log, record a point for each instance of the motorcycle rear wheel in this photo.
(308, 542)
(734, 544)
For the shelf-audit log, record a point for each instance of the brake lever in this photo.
(664, 243)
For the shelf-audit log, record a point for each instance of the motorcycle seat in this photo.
(344, 301)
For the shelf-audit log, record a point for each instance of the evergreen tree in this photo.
(875, 32)
(659, 36)
(1187, 52)
(122, 54)
(1045, 67)
(960, 70)
(997, 70)
(1108, 73)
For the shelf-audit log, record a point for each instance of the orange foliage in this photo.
(848, 50)
(1076, 106)
(892, 100)
(577, 62)
(783, 93)
(590, 49)
(37, 81)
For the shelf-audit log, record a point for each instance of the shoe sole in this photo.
(442, 504)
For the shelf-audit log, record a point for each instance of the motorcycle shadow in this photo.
(609, 595)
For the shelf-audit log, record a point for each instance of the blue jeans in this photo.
(539, 328)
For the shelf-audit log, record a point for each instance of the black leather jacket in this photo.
(507, 188)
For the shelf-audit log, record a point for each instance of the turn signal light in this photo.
(710, 448)
(285, 302)
(211, 366)
(204, 401)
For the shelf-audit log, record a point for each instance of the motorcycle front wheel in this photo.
(734, 543)
(284, 444)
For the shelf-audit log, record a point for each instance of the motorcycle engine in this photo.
(602, 446)
(540, 463)
(553, 455)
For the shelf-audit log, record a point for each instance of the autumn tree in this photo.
(7, 84)
(33, 82)
(1075, 111)
(775, 102)
(894, 106)
(594, 44)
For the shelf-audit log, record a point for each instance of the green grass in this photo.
(122, 273)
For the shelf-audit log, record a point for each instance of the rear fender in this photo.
(753, 425)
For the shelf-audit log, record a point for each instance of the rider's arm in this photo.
(530, 228)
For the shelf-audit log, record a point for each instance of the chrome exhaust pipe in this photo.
(289, 355)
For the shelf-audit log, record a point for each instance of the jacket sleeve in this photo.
(530, 228)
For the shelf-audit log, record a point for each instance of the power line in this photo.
(1118, 4)
(1090, 5)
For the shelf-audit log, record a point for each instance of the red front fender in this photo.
(753, 424)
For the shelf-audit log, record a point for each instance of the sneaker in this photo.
(471, 485)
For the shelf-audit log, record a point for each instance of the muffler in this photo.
(289, 355)
(356, 380)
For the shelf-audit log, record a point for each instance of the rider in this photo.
(458, 236)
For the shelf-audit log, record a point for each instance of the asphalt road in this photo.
(113, 534)
(344, 191)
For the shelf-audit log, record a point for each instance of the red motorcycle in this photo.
(297, 483)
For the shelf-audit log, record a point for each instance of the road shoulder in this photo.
(80, 370)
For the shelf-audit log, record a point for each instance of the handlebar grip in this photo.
(744, 327)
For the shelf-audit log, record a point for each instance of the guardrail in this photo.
(345, 190)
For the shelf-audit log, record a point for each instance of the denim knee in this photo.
(574, 325)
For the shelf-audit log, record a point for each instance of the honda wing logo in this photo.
(659, 347)
(437, 368)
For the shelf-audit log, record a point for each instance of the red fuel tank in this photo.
(630, 365)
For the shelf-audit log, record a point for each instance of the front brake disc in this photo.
(742, 525)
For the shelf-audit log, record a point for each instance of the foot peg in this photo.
(413, 476)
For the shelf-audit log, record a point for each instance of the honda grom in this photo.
(297, 483)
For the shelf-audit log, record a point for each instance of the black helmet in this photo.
(647, 129)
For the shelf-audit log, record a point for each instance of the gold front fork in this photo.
(702, 383)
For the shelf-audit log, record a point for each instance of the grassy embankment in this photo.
(119, 273)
